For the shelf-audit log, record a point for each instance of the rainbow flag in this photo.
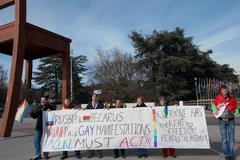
(22, 109)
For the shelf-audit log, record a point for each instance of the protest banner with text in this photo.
(183, 127)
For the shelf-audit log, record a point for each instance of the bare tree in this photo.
(117, 74)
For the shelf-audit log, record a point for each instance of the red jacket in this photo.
(232, 103)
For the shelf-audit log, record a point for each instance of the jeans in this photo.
(141, 151)
(227, 129)
(77, 153)
(37, 144)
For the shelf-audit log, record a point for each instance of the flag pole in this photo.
(195, 79)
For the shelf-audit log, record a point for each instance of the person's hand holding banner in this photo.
(184, 127)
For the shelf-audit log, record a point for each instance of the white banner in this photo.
(184, 127)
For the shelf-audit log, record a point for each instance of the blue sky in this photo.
(106, 24)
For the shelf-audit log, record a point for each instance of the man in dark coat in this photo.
(95, 104)
(36, 113)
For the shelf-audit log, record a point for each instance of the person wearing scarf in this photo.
(226, 121)
(163, 102)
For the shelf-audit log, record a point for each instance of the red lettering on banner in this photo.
(124, 141)
(57, 132)
(132, 145)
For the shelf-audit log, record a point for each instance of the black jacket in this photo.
(99, 106)
(37, 114)
(141, 105)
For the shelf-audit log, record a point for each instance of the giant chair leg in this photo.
(13, 92)
(66, 73)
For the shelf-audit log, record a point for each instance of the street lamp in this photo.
(195, 79)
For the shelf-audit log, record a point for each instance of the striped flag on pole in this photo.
(22, 109)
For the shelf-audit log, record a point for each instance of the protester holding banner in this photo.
(69, 105)
(164, 102)
(107, 105)
(95, 104)
(141, 152)
(36, 113)
(226, 121)
(119, 104)
(97, 129)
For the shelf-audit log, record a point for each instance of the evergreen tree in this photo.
(3, 85)
(79, 93)
(3, 77)
(49, 75)
(172, 61)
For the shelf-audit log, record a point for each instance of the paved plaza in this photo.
(20, 145)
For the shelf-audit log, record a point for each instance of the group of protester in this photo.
(226, 123)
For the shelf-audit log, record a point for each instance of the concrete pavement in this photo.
(20, 145)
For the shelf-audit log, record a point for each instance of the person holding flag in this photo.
(22, 110)
(36, 113)
(225, 108)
